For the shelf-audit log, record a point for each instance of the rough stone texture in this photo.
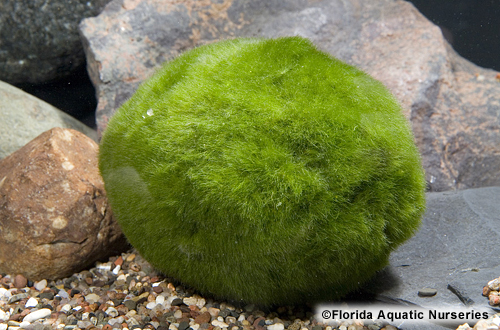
(54, 215)
(39, 38)
(455, 252)
(453, 105)
(24, 117)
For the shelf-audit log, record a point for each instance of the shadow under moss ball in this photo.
(263, 170)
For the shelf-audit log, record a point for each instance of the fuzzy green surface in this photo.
(263, 170)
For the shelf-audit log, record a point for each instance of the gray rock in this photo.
(455, 251)
(39, 39)
(453, 105)
(24, 117)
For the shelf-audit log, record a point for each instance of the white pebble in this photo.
(494, 284)
(3, 326)
(111, 311)
(194, 326)
(77, 308)
(217, 323)
(41, 285)
(190, 301)
(160, 299)
(123, 277)
(32, 302)
(4, 316)
(172, 327)
(5, 294)
(24, 324)
(178, 314)
(200, 303)
(276, 326)
(103, 266)
(116, 320)
(151, 305)
(241, 317)
(116, 270)
(66, 308)
(38, 314)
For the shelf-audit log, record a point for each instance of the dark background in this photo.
(471, 26)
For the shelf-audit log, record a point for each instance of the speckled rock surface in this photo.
(453, 105)
(54, 215)
(24, 117)
(39, 39)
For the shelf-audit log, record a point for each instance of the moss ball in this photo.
(264, 171)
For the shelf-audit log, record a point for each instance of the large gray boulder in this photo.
(39, 39)
(453, 104)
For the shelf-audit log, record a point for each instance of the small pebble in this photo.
(92, 298)
(40, 285)
(4, 316)
(38, 314)
(111, 311)
(217, 323)
(18, 297)
(276, 326)
(427, 292)
(32, 302)
(20, 281)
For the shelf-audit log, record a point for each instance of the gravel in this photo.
(127, 293)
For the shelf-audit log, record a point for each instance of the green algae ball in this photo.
(263, 171)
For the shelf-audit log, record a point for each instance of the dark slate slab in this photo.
(456, 251)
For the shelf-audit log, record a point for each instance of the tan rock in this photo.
(54, 215)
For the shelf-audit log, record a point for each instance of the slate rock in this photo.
(54, 216)
(453, 104)
(454, 251)
(24, 117)
(39, 39)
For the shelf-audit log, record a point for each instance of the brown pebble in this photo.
(203, 318)
(135, 267)
(130, 258)
(15, 317)
(119, 261)
(25, 312)
(122, 309)
(259, 323)
(486, 291)
(158, 289)
(494, 300)
(20, 281)
(107, 327)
